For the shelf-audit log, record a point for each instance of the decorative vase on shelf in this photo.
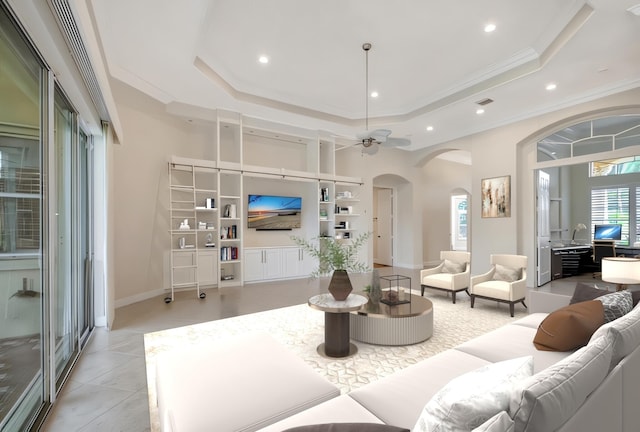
(340, 285)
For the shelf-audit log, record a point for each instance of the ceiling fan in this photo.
(378, 136)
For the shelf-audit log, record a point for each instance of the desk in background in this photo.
(574, 260)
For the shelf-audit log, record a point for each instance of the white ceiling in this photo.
(431, 61)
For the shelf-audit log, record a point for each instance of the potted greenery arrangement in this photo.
(336, 257)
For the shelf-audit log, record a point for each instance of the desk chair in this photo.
(602, 249)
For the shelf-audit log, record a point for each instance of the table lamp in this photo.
(621, 271)
(578, 227)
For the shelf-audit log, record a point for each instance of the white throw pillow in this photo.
(452, 267)
(500, 422)
(507, 274)
(469, 400)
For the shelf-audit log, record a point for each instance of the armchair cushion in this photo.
(453, 267)
(507, 274)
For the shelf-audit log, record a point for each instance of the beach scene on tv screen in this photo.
(269, 212)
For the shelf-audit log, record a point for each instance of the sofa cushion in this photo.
(545, 401)
(507, 274)
(347, 427)
(453, 267)
(511, 341)
(616, 305)
(287, 384)
(471, 399)
(414, 386)
(625, 335)
(583, 292)
(569, 327)
(500, 422)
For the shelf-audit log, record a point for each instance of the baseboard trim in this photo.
(126, 301)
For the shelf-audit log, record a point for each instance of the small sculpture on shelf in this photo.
(184, 225)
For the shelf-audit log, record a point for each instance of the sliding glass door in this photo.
(22, 298)
(46, 297)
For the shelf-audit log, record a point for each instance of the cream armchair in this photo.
(451, 275)
(506, 282)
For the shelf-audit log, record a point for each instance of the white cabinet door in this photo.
(272, 264)
(291, 262)
(308, 263)
(253, 264)
(262, 264)
(297, 263)
(208, 267)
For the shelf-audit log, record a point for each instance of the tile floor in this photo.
(107, 389)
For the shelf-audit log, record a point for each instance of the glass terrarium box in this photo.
(396, 289)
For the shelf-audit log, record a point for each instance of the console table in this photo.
(336, 323)
(402, 324)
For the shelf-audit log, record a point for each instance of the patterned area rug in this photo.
(301, 329)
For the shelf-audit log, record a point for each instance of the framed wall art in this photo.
(496, 197)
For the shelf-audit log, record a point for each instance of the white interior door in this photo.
(544, 233)
(383, 226)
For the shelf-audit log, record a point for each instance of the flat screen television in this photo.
(607, 232)
(273, 212)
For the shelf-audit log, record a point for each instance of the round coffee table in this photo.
(336, 323)
(402, 324)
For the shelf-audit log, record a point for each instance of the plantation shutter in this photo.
(611, 206)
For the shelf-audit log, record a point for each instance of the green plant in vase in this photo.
(336, 257)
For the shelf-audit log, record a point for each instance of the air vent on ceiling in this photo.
(485, 101)
(66, 21)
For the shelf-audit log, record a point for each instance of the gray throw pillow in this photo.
(585, 292)
(452, 267)
(616, 305)
(507, 274)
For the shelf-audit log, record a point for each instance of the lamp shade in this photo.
(621, 270)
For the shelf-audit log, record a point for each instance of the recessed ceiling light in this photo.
(489, 28)
(429, 128)
(374, 94)
(551, 86)
(263, 59)
(479, 111)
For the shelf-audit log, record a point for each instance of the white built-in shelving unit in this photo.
(247, 150)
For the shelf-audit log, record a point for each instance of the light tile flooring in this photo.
(107, 389)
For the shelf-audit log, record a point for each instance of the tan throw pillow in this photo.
(570, 327)
(507, 274)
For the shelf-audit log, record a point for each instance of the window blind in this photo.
(611, 206)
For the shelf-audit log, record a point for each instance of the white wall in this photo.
(422, 188)
(440, 180)
(139, 181)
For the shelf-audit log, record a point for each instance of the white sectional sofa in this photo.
(595, 388)
(595, 395)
